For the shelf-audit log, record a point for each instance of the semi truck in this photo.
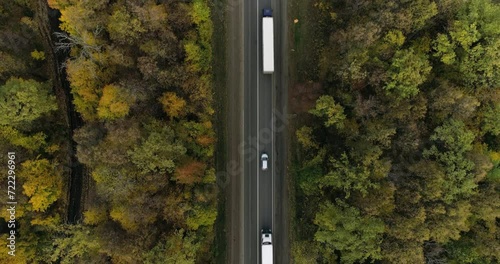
(267, 41)
(267, 247)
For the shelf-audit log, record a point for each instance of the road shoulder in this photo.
(234, 130)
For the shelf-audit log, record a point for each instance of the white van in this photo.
(264, 159)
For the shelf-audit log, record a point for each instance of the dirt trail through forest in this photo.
(48, 22)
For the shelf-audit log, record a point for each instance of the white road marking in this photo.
(257, 126)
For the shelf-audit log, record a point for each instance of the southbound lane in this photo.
(259, 131)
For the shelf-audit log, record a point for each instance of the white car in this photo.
(264, 159)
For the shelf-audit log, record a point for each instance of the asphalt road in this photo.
(235, 119)
(251, 149)
(281, 217)
(261, 118)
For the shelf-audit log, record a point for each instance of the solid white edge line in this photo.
(273, 94)
(242, 155)
(259, 30)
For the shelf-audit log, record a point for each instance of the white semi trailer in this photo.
(267, 247)
(267, 41)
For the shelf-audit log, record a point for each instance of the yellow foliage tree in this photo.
(95, 215)
(73, 19)
(127, 220)
(58, 4)
(51, 221)
(83, 76)
(113, 103)
(20, 257)
(38, 55)
(42, 183)
(17, 138)
(172, 104)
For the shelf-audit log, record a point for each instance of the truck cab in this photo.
(267, 12)
(267, 239)
(267, 246)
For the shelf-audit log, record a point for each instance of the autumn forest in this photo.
(399, 155)
(139, 73)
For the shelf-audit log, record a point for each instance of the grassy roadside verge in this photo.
(305, 42)
(305, 45)
(219, 247)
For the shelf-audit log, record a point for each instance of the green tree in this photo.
(395, 38)
(494, 174)
(452, 141)
(75, 243)
(310, 172)
(348, 177)
(481, 66)
(444, 49)
(304, 252)
(179, 247)
(409, 226)
(200, 15)
(327, 108)
(194, 56)
(402, 251)
(198, 138)
(433, 178)
(123, 26)
(23, 101)
(407, 72)
(446, 223)
(412, 16)
(491, 121)
(159, 151)
(201, 216)
(305, 137)
(474, 42)
(342, 227)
